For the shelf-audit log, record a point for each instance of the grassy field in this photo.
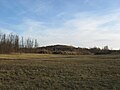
(59, 72)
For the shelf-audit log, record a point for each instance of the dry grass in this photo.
(59, 72)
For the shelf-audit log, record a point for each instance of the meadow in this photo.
(59, 72)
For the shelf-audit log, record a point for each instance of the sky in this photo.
(81, 23)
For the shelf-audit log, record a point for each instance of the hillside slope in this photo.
(63, 49)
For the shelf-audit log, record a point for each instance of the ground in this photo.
(59, 72)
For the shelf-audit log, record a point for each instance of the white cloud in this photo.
(82, 30)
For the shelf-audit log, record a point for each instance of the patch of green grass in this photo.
(59, 72)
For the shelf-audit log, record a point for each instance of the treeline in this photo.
(11, 43)
(105, 50)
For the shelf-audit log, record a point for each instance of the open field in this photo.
(59, 72)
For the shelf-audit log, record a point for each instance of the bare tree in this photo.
(36, 43)
(11, 43)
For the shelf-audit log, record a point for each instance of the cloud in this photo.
(105, 29)
(37, 7)
(83, 29)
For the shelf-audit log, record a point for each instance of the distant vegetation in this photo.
(10, 43)
(70, 50)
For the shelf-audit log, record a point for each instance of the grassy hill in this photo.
(63, 49)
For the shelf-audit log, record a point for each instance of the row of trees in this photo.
(13, 43)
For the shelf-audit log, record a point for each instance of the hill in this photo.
(62, 49)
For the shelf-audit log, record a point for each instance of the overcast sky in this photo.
(83, 23)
